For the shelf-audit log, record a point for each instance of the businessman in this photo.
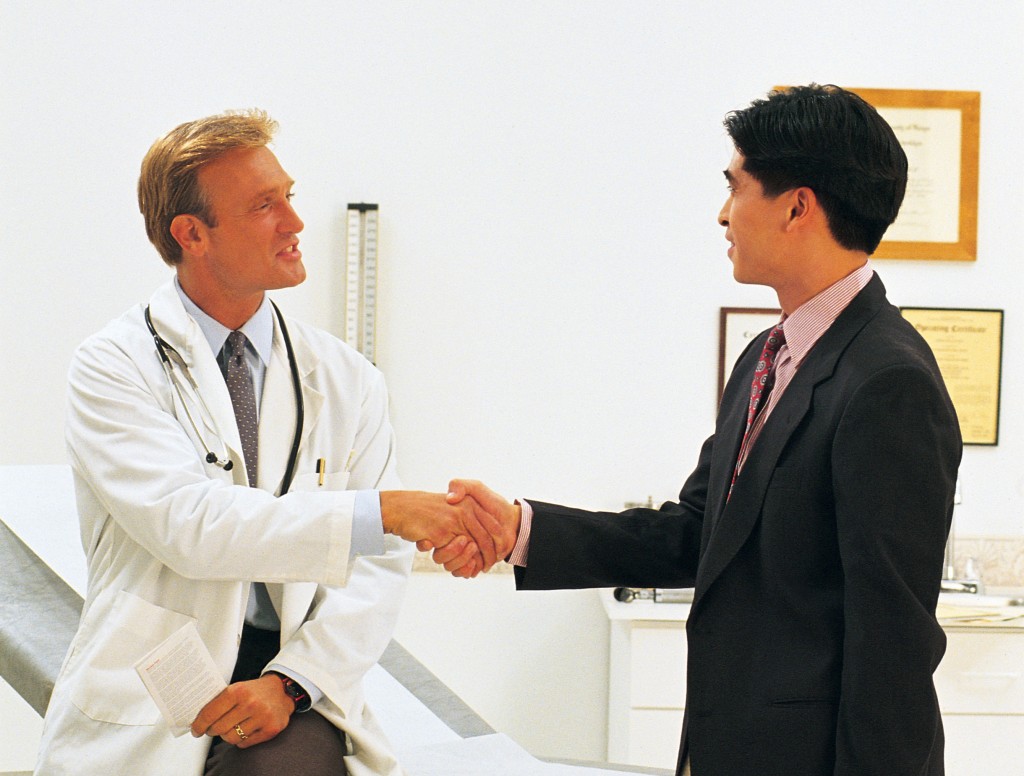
(814, 523)
(237, 477)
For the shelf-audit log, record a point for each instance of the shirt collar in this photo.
(814, 317)
(259, 329)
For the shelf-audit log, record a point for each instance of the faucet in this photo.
(960, 586)
(950, 583)
(949, 564)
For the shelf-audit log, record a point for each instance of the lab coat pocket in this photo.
(107, 687)
(306, 483)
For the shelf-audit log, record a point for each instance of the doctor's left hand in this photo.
(246, 713)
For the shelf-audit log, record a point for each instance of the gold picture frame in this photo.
(940, 208)
(968, 346)
(939, 131)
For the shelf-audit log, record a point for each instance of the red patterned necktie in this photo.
(760, 384)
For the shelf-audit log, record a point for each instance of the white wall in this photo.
(548, 175)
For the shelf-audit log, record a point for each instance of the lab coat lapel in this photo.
(278, 408)
(208, 400)
(278, 413)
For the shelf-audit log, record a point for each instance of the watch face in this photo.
(298, 695)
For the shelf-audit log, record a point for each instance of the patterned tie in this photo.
(776, 338)
(260, 608)
(243, 399)
(761, 385)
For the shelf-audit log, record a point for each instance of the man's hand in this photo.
(494, 514)
(246, 713)
(427, 519)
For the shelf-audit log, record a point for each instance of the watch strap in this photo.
(295, 691)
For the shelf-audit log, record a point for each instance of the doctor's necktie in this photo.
(243, 399)
(760, 387)
(260, 609)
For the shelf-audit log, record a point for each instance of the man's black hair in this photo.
(833, 142)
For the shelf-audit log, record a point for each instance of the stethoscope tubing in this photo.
(174, 359)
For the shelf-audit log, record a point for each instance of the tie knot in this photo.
(236, 344)
(776, 339)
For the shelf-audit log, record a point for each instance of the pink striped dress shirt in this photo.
(803, 328)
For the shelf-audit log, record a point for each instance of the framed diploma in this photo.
(737, 326)
(968, 344)
(939, 132)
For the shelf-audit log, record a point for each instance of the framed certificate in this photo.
(737, 326)
(968, 345)
(939, 132)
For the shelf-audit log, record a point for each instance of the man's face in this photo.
(754, 225)
(254, 246)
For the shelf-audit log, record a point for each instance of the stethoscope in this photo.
(171, 358)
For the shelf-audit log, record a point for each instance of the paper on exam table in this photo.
(950, 613)
(493, 755)
(406, 721)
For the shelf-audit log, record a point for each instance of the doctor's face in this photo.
(254, 245)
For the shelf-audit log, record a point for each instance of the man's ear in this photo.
(803, 203)
(189, 232)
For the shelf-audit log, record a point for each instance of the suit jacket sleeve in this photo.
(574, 548)
(896, 451)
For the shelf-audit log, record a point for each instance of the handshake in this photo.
(469, 529)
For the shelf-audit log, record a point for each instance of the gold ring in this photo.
(241, 734)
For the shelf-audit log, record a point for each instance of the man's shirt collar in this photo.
(259, 329)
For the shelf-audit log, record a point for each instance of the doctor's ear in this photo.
(189, 232)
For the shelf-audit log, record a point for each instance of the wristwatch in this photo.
(294, 691)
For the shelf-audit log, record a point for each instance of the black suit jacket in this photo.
(812, 636)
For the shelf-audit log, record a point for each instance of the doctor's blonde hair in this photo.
(169, 178)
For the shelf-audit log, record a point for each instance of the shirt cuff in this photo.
(311, 689)
(522, 548)
(367, 526)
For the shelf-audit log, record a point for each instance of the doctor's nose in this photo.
(290, 221)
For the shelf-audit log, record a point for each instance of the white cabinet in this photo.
(980, 684)
(647, 681)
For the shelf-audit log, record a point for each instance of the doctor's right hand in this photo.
(429, 520)
(498, 516)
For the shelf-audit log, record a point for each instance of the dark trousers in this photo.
(309, 746)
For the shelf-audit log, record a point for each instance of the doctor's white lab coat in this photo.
(170, 538)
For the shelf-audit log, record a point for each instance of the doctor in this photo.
(270, 532)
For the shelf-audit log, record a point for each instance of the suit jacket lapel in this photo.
(732, 521)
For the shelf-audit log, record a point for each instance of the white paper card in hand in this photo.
(181, 676)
